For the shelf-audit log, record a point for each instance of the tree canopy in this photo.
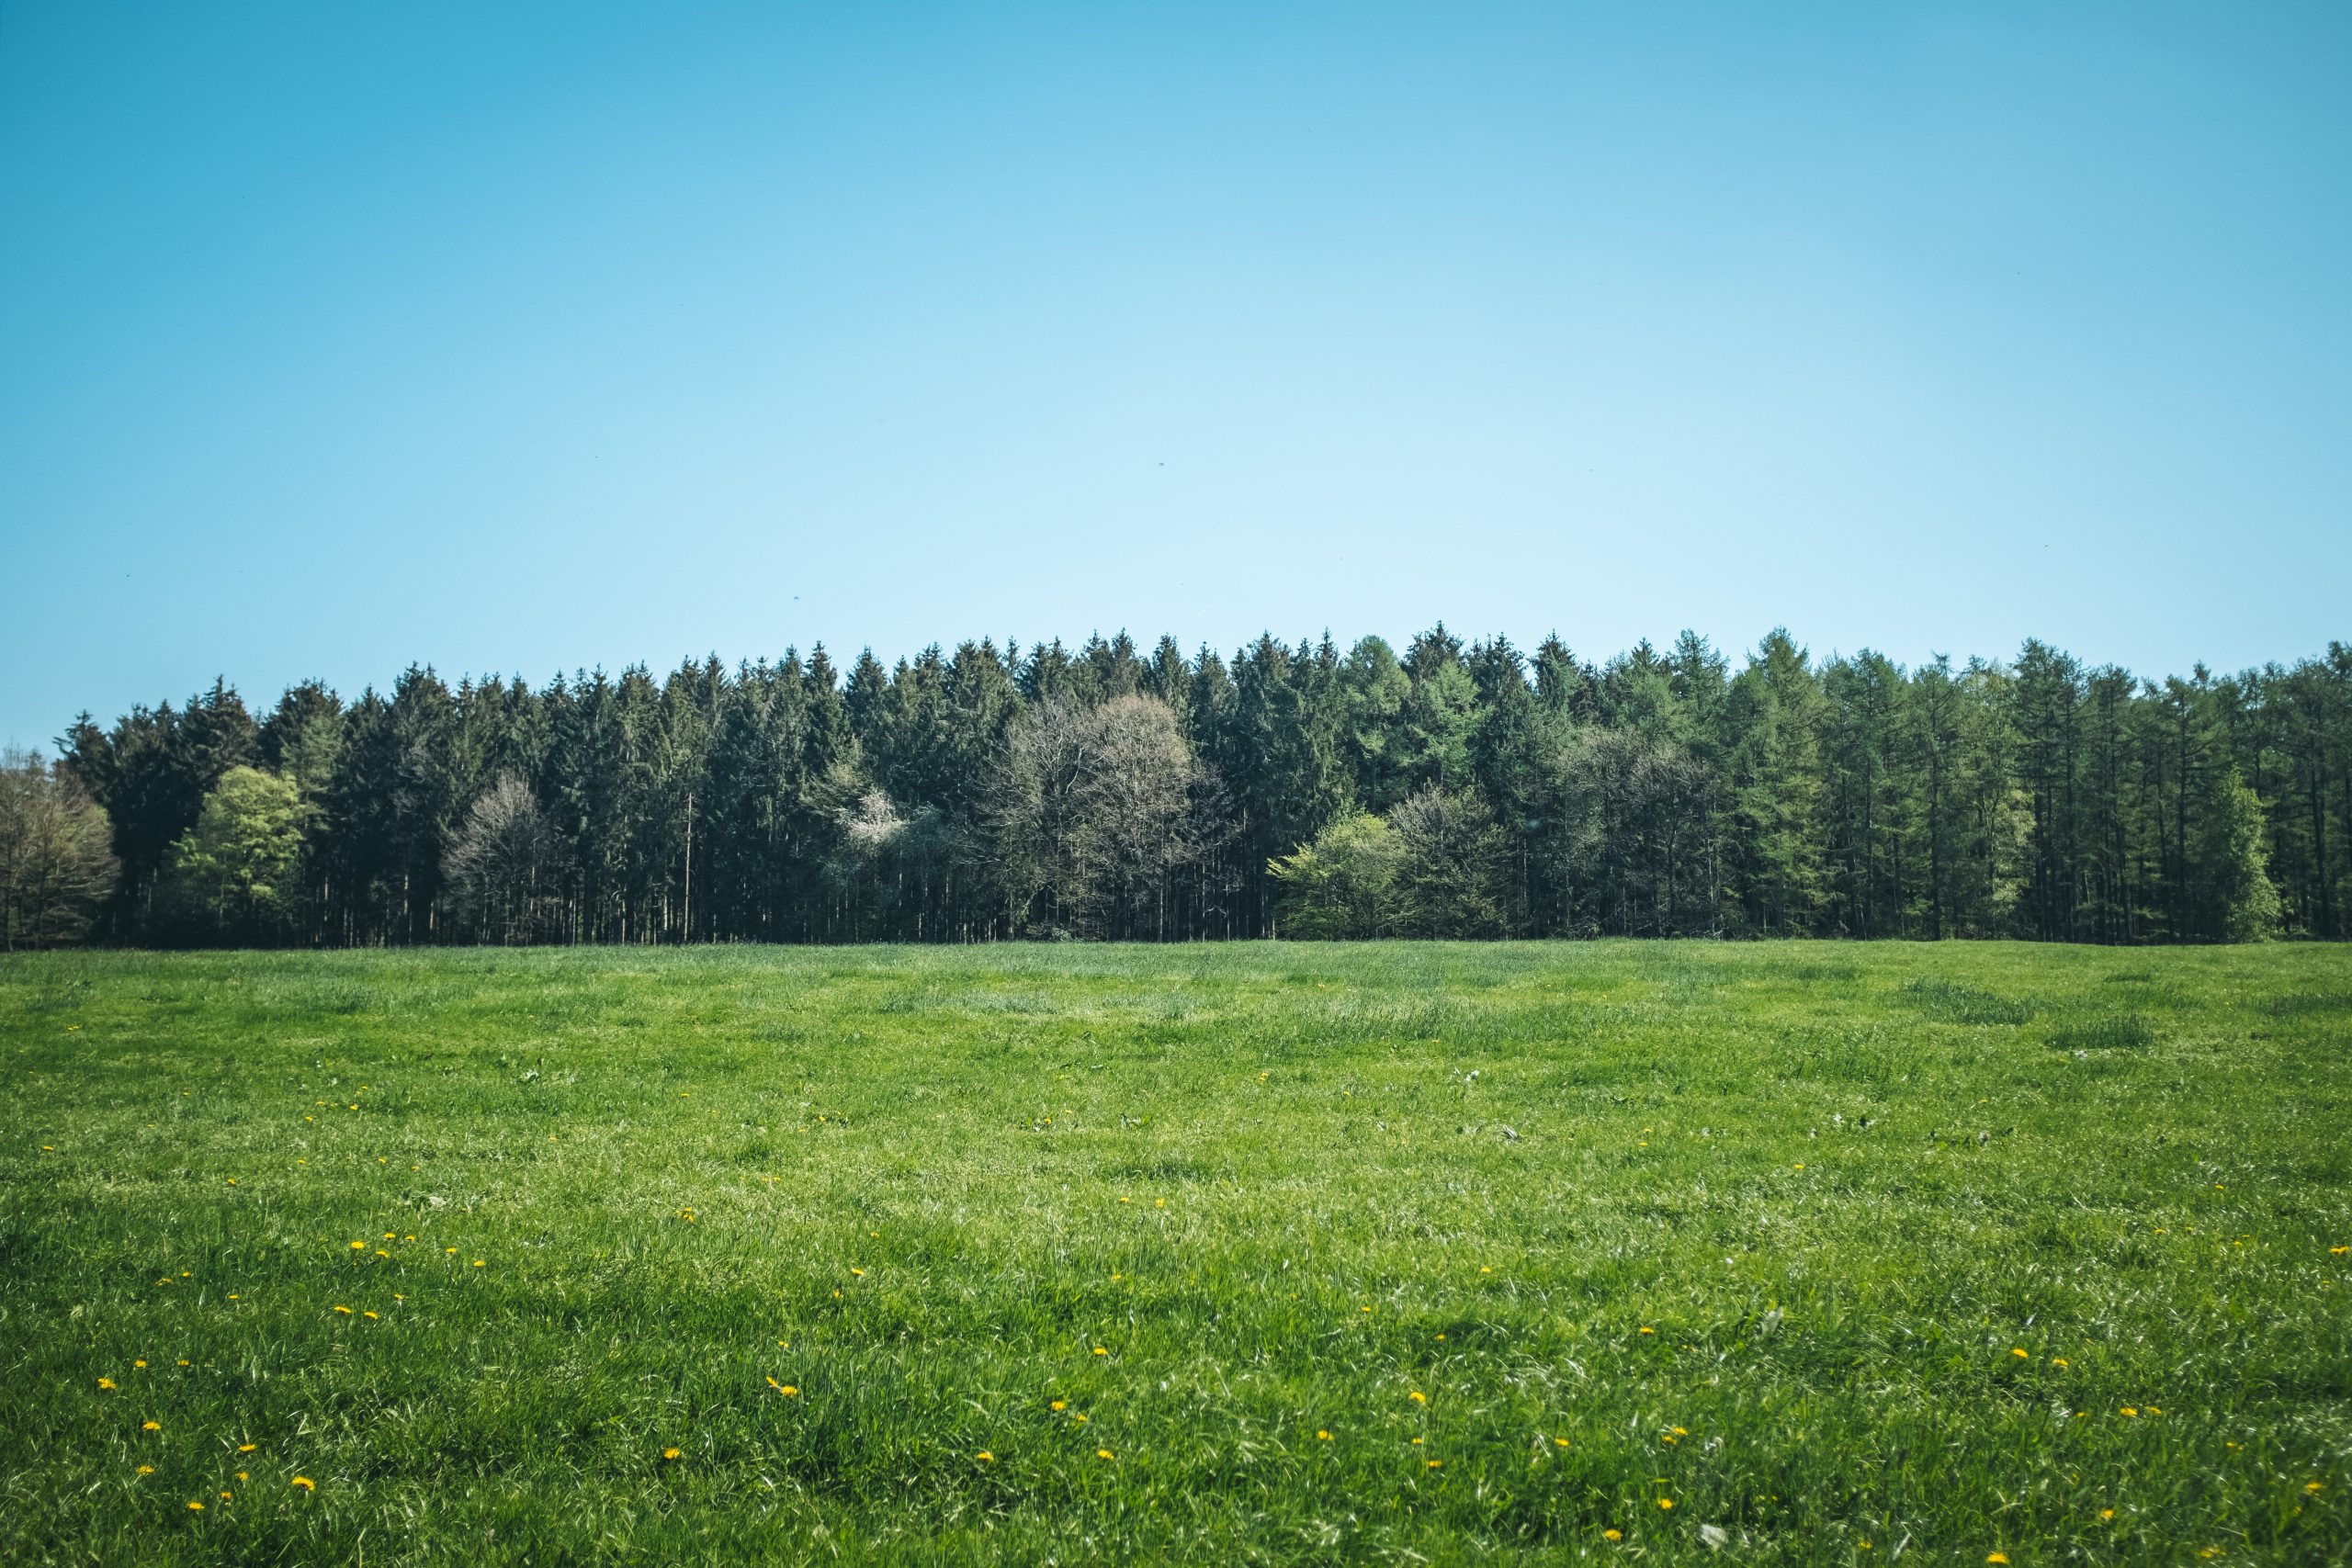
(1108, 791)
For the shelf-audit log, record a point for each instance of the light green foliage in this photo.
(2238, 865)
(1283, 1188)
(1434, 731)
(1437, 865)
(238, 857)
(1344, 884)
(55, 867)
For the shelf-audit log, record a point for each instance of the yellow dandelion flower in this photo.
(788, 1390)
(1559, 1442)
(1322, 1436)
(233, 1181)
(106, 1383)
(2315, 1487)
(367, 1314)
(2106, 1513)
(358, 1247)
(1667, 1503)
(1437, 1464)
(450, 1251)
(985, 1457)
(1994, 1557)
(1100, 1351)
(151, 1427)
(1101, 1453)
(1648, 1330)
(146, 1470)
(1059, 1404)
(346, 1311)
(306, 1483)
(2059, 1361)
(671, 1454)
(247, 1448)
(1612, 1535)
(1417, 1443)
(2131, 1410)
(184, 1361)
(2020, 1354)
(2339, 1251)
(140, 1365)
(226, 1498)
(1417, 1397)
(242, 1476)
(389, 1236)
(193, 1507)
(477, 1263)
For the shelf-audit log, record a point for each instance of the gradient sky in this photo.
(520, 338)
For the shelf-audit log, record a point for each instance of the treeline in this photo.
(1111, 792)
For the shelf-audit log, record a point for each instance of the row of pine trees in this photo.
(1112, 792)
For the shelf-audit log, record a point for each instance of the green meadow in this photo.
(1386, 1252)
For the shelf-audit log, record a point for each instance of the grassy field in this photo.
(1410, 1252)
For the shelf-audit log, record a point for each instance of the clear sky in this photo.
(520, 338)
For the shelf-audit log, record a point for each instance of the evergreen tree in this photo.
(1376, 688)
(1774, 716)
(1658, 794)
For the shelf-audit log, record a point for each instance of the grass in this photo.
(1847, 1252)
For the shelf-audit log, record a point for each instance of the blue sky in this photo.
(521, 338)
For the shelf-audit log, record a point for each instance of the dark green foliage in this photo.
(2111, 1032)
(1663, 794)
(1953, 1003)
(1452, 866)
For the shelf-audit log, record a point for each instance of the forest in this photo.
(1110, 792)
